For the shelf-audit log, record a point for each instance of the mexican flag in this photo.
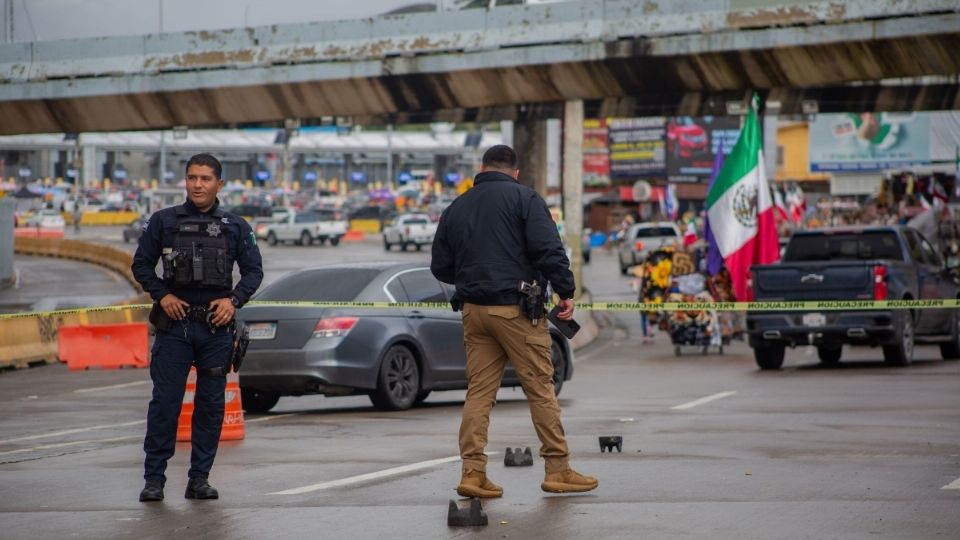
(740, 208)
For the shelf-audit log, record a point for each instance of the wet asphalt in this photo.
(713, 448)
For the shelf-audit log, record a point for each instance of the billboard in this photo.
(636, 146)
(851, 142)
(596, 159)
(692, 144)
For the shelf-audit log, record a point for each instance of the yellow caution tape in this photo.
(764, 306)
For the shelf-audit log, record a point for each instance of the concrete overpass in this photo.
(517, 62)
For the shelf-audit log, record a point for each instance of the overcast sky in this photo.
(42, 20)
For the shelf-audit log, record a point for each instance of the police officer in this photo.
(489, 239)
(194, 306)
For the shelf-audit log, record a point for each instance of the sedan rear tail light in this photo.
(879, 282)
(407, 231)
(638, 246)
(335, 327)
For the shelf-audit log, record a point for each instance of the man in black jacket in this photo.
(491, 238)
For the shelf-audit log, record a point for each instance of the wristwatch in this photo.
(235, 301)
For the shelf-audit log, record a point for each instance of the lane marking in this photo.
(952, 485)
(703, 400)
(271, 417)
(111, 387)
(72, 443)
(371, 476)
(71, 431)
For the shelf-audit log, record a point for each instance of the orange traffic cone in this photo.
(233, 426)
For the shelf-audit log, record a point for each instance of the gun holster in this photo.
(532, 301)
(159, 318)
(456, 303)
(241, 339)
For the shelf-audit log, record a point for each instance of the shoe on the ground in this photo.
(152, 491)
(200, 488)
(475, 484)
(568, 481)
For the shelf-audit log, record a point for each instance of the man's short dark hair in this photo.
(206, 160)
(501, 156)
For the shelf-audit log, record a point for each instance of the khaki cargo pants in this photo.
(492, 334)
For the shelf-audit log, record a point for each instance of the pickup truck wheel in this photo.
(769, 356)
(951, 349)
(829, 356)
(901, 354)
(386, 245)
(335, 241)
(272, 239)
(305, 239)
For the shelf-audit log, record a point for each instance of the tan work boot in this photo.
(568, 481)
(475, 484)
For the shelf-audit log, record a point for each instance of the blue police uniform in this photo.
(198, 252)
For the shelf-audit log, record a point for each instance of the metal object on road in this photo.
(610, 442)
(473, 516)
(518, 458)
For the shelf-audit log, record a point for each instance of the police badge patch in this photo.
(213, 229)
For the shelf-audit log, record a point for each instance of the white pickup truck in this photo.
(305, 228)
(409, 230)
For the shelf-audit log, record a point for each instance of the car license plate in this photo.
(814, 319)
(265, 330)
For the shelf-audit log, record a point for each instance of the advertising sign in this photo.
(869, 141)
(692, 143)
(637, 146)
(596, 157)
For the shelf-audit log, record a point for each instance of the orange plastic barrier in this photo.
(107, 346)
(353, 235)
(233, 426)
(34, 232)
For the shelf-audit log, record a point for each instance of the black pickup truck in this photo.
(871, 263)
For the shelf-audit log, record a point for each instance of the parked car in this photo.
(46, 219)
(409, 230)
(641, 238)
(872, 263)
(250, 211)
(396, 356)
(133, 231)
(305, 228)
(685, 138)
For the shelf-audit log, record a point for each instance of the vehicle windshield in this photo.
(319, 285)
(653, 232)
(846, 246)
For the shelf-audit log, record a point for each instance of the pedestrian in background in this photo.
(194, 307)
(491, 238)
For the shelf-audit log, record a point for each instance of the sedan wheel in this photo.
(258, 401)
(272, 239)
(399, 381)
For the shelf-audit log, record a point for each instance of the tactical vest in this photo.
(199, 255)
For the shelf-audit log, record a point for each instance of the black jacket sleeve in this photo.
(544, 248)
(250, 263)
(441, 262)
(145, 260)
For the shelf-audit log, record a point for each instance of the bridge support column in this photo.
(530, 142)
(572, 184)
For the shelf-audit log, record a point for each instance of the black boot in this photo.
(152, 491)
(199, 488)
